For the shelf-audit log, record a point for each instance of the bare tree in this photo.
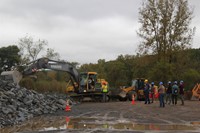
(30, 49)
(51, 54)
(165, 27)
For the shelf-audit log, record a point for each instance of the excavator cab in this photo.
(88, 81)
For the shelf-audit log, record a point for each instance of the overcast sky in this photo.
(79, 30)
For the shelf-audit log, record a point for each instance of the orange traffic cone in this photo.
(133, 100)
(67, 108)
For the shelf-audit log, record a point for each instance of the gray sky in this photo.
(79, 30)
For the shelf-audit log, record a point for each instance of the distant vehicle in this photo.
(136, 89)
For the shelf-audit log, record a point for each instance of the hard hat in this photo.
(169, 82)
(145, 80)
(152, 83)
(161, 83)
(175, 82)
(104, 82)
(181, 81)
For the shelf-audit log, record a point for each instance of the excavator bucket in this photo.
(122, 94)
(12, 76)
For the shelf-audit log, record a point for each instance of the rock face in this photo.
(18, 104)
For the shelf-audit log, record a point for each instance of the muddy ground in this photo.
(114, 117)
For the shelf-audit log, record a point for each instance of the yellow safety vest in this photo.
(105, 88)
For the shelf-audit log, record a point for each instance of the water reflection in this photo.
(63, 123)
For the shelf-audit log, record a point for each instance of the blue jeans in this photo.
(161, 99)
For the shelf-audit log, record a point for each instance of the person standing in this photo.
(105, 91)
(152, 92)
(181, 92)
(91, 83)
(169, 93)
(161, 91)
(146, 91)
(174, 93)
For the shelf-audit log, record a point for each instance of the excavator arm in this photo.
(45, 63)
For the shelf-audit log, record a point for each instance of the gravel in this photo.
(18, 104)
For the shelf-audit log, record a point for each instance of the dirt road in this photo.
(117, 117)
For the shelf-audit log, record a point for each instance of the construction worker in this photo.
(146, 91)
(174, 93)
(152, 92)
(90, 82)
(169, 93)
(105, 91)
(181, 92)
(161, 91)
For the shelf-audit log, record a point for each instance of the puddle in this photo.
(63, 123)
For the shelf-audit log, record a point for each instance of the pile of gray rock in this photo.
(18, 104)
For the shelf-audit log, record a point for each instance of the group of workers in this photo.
(172, 91)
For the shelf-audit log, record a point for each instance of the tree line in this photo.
(125, 68)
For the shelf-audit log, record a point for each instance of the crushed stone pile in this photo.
(18, 104)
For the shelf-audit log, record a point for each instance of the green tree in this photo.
(101, 68)
(9, 57)
(129, 66)
(165, 27)
(191, 77)
(116, 74)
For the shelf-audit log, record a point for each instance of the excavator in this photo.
(85, 84)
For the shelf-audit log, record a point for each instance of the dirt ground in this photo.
(113, 117)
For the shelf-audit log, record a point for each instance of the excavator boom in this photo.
(45, 63)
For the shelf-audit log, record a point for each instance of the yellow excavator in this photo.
(84, 84)
(136, 89)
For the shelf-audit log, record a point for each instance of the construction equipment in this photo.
(196, 92)
(136, 89)
(12, 76)
(85, 84)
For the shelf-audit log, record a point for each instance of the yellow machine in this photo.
(136, 89)
(89, 87)
(196, 92)
(85, 84)
(88, 83)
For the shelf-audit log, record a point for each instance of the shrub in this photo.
(27, 82)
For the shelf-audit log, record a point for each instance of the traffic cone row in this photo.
(67, 108)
